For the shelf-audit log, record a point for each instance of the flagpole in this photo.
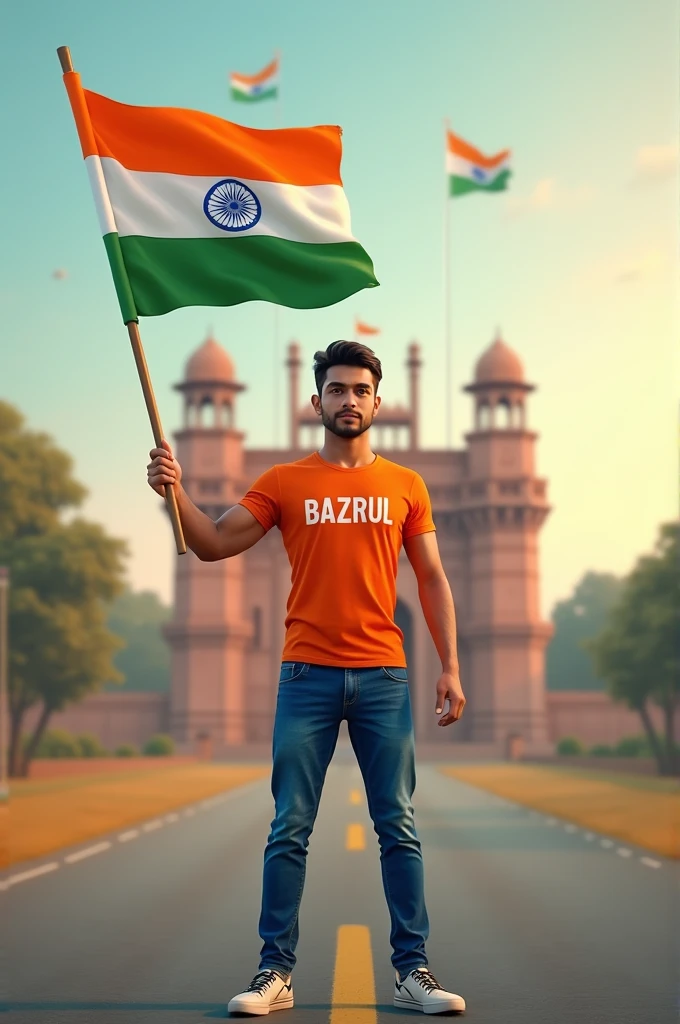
(118, 271)
(277, 54)
(277, 308)
(446, 272)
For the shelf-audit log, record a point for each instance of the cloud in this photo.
(624, 268)
(60, 274)
(549, 194)
(655, 163)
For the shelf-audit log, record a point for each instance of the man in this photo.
(343, 513)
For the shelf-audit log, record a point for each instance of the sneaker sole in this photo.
(445, 1006)
(260, 1011)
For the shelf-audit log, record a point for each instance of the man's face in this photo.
(348, 400)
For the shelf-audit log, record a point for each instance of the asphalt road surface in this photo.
(533, 921)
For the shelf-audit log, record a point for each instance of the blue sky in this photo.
(577, 262)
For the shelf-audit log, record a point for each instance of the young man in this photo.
(344, 513)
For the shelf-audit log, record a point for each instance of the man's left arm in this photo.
(436, 601)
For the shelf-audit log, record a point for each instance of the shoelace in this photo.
(262, 981)
(426, 979)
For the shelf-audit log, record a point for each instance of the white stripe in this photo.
(125, 837)
(24, 876)
(102, 202)
(251, 90)
(162, 205)
(463, 168)
(88, 852)
(650, 862)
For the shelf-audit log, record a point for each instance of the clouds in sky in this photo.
(625, 267)
(655, 163)
(550, 194)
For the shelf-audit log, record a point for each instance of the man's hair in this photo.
(346, 353)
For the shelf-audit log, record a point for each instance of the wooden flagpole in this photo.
(277, 309)
(132, 325)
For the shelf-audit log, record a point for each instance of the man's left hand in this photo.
(449, 688)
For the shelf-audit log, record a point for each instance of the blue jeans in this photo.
(312, 701)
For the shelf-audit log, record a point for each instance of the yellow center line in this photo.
(354, 796)
(353, 998)
(355, 838)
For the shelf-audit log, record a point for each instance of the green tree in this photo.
(638, 652)
(579, 618)
(159, 745)
(137, 617)
(63, 576)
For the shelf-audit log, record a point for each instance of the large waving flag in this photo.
(196, 210)
(470, 171)
(251, 88)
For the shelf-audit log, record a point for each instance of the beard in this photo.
(345, 428)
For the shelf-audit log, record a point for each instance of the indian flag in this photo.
(198, 211)
(251, 88)
(470, 171)
(360, 327)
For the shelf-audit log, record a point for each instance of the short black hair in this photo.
(346, 353)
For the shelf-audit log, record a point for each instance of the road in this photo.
(530, 922)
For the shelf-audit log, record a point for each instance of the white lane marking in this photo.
(649, 862)
(171, 818)
(24, 876)
(88, 852)
(125, 837)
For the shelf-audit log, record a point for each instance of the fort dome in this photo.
(209, 363)
(499, 365)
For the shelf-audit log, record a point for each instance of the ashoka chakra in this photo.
(232, 206)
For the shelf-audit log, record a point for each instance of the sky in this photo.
(576, 263)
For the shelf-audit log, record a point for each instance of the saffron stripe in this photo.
(260, 77)
(180, 141)
(462, 148)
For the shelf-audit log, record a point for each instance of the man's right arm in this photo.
(235, 531)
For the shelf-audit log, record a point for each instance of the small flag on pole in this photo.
(252, 88)
(361, 328)
(470, 171)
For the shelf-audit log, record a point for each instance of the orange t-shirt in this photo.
(343, 530)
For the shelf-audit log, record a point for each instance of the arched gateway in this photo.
(488, 506)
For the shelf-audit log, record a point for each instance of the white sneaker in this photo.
(420, 990)
(267, 991)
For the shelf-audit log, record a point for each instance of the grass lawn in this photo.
(47, 814)
(639, 809)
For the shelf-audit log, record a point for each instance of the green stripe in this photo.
(243, 97)
(166, 273)
(461, 186)
(120, 277)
